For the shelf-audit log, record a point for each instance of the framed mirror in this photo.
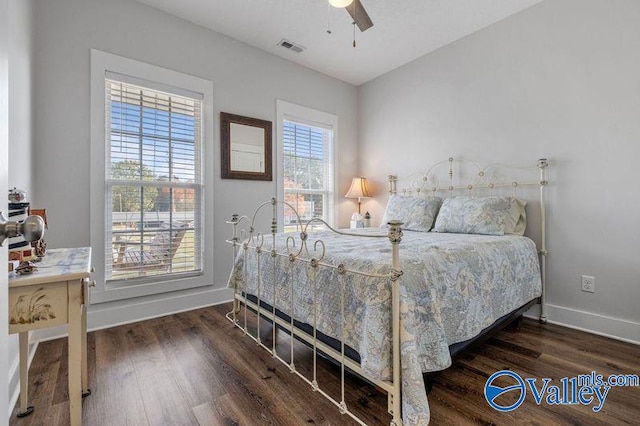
(246, 147)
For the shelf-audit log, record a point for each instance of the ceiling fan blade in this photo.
(359, 15)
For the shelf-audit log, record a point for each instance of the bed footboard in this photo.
(300, 249)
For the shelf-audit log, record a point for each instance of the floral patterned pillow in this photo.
(482, 215)
(416, 213)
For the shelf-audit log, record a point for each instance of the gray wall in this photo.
(246, 81)
(21, 95)
(560, 80)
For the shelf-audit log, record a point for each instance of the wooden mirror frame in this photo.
(226, 120)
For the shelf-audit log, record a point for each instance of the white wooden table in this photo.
(55, 294)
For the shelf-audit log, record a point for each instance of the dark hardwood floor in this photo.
(194, 368)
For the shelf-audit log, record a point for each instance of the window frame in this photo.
(157, 78)
(311, 117)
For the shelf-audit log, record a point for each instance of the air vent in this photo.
(291, 46)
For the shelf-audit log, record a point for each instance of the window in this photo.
(306, 177)
(151, 218)
(153, 182)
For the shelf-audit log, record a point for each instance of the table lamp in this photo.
(359, 189)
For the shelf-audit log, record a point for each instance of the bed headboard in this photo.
(464, 177)
(453, 177)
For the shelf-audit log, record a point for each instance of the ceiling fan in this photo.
(356, 10)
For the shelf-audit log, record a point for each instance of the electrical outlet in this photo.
(588, 284)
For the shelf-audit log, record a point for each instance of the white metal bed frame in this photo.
(313, 255)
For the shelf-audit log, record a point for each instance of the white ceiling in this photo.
(403, 29)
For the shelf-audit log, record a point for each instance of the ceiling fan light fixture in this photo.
(340, 3)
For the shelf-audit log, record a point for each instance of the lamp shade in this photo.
(340, 3)
(359, 188)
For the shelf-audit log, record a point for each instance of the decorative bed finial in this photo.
(395, 231)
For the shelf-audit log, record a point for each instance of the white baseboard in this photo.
(105, 315)
(111, 317)
(14, 376)
(614, 328)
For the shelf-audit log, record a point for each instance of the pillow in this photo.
(482, 215)
(518, 216)
(416, 213)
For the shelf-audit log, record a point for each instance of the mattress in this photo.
(453, 286)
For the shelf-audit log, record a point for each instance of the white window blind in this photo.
(307, 172)
(153, 183)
